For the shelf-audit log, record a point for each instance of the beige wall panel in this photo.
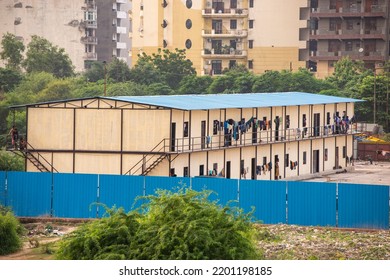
(179, 117)
(98, 129)
(233, 155)
(198, 159)
(247, 154)
(162, 169)
(130, 161)
(179, 163)
(304, 146)
(292, 151)
(263, 151)
(63, 162)
(44, 125)
(148, 127)
(330, 145)
(276, 59)
(234, 114)
(319, 109)
(340, 142)
(97, 163)
(292, 111)
(216, 157)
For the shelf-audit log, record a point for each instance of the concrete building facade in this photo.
(218, 34)
(247, 136)
(88, 30)
(359, 29)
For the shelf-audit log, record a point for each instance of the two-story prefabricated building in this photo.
(248, 136)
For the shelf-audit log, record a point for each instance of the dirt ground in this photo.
(377, 173)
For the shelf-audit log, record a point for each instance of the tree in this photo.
(10, 229)
(171, 226)
(118, 70)
(171, 66)
(10, 162)
(9, 79)
(195, 84)
(268, 82)
(159, 89)
(221, 84)
(42, 56)
(95, 72)
(12, 51)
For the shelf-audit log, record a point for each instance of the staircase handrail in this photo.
(145, 155)
(39, 156)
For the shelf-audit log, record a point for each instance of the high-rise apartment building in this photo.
(88, 30)
(218, 34)
(337, 28)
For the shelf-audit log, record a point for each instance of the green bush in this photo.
(9, 233)
(183, 225)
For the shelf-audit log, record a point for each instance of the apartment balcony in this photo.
(358, 11)
(121, 1)
(344, 34)
(121, 14)
(121, 30)
(214, 33)
(354, 55)
(89, 40)
(121, 45)
(90, 7)
(224, 53)
(90, 56)
(90, 24)
(225, 13)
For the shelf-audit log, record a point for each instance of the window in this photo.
(185, 129)
(287, 121)
(326, 155)
(250, 64)
(332, 4)
(304, 157)
(251, 3)
(286, 160)
(189, 4)
(188, 23)
(251, 23)
(233, 24)
(215, 127)
(188, 44)
(349, 24)
(185, 171)
(304, 120)
(232, 64)
(201, 170)
(233, 4)
(250, 44)
(344, 151)
(348, 46)
(216, 66)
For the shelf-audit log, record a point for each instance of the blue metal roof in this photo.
(237, 100)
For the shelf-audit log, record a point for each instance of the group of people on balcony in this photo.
(15, 140)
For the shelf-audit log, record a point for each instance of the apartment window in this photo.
(201, 170)
(348, 46)
(349, 24)
(232, 64)
(344, 151)
(188, 44)
(332, 4)
(250, 64)
(185, 171)
(188, 23)
(233, 4)
(251, 3)
(233, 24)
(251, 21)
(185, 129)
(216, 66)
(250, 44)
(332, 24)
(304, 157)
(90, 16)
(189, 4)
(286, 160)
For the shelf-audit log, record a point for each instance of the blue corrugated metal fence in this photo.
(299, 203)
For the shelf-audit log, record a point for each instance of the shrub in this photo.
(183, 225)
(9, 228)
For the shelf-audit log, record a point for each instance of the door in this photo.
(316, 125)
(228, 170)
(316, 161)
(337, 158)
(217, 26)
(254, 134)
(253, 169)
(216, 45)
(173, 137)
(339, 5)
(203, 134)
(218, 7)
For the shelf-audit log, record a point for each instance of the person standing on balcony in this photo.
(14, 136)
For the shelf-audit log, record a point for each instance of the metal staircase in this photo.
(35, 158)
(154, 157)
